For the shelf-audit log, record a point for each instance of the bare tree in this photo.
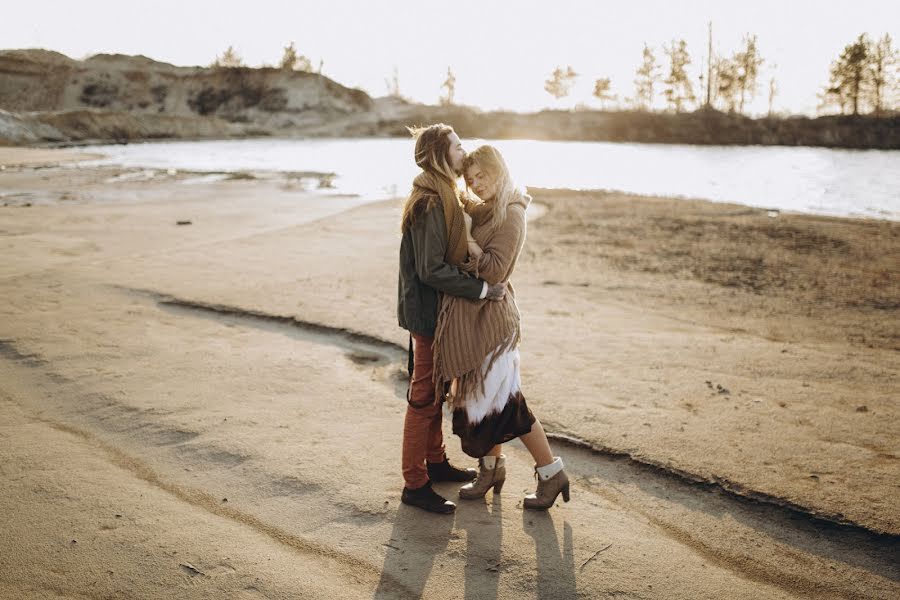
(450, 85)
(709, 68)
(601, 91)
(560, 82)
(679, 91)
(773, 91)
(393, 84)
(727, 83)
(882, 58)
(748, 62)
(647, 77)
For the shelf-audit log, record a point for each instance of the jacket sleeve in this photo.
(429, 238)
(502, 249)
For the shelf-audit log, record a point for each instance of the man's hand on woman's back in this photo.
(496, 291)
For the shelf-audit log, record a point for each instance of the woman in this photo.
(476, 342)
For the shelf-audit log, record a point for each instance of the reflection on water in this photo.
(817, 180)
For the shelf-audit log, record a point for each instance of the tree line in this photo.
(862, 79)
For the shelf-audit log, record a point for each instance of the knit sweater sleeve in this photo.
(502, 250)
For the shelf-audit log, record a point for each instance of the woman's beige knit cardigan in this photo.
(469, 331)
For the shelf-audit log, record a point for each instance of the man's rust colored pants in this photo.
(422, 437)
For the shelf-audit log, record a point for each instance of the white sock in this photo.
(548, 471)
(490, 461)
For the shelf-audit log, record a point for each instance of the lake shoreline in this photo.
(804, 180)
(389, 119)
(337, 182)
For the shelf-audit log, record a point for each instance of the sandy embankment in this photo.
(710, 339)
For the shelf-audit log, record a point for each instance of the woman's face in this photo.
(481, 183)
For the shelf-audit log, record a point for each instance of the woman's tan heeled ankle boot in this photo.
(486, 479)
(548, 490)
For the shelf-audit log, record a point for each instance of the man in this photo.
(434, 240)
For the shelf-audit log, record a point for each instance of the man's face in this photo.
(456, 154)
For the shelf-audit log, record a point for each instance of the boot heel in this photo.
(565, 493)
(499, 486)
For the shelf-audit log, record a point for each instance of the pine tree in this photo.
(727, 83)
(560, 82)
(850, 76)
(450, 85)
(647, 76)
(679, 91)
(748, 62)
(883, 57)
(229, 59)
(291, 61)
(289, 57)
(601, 91)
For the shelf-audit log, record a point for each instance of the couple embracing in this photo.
(457, 255)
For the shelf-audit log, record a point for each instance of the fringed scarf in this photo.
(429, 183)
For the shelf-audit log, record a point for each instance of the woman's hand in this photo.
(475, 250)
(468, 203)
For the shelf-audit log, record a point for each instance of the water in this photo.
(812, 180)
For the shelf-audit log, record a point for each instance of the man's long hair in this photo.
(432, 153)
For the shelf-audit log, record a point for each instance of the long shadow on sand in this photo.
(483, 524)
(555, 565)
(417, 538)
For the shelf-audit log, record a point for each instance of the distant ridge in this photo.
(50, 98)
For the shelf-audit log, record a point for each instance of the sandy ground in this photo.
(14, 157)
(214, 410)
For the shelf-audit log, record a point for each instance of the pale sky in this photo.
(500, 51)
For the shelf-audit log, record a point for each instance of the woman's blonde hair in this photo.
(491, 162)
(432, 156)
